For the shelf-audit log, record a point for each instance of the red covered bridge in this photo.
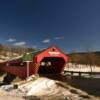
(47, 61)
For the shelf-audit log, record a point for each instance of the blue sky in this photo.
(69, 24)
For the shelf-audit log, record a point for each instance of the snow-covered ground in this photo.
(82, 68)
(8, 58)
(45, 89)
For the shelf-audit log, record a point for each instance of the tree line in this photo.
(90, 58)
(12, 49)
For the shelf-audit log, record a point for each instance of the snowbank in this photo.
(48, 89)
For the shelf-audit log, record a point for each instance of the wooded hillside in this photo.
(5, 49)
(91, 58)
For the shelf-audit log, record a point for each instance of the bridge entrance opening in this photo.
(51, 65)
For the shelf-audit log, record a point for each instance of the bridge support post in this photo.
(72, 75)
(80, 74)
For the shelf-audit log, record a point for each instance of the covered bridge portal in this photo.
(48, 61)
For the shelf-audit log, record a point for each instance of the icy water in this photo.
(92, 76)
(96, 76)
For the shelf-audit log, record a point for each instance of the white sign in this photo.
(53, 53)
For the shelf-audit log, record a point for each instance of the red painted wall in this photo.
(34, 66)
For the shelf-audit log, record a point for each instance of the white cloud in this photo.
(11, 40)
(46, 41)
(34, 46)
(20, 43)
(58, 38)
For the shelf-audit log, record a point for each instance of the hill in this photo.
(8, 51)
(91, 58)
